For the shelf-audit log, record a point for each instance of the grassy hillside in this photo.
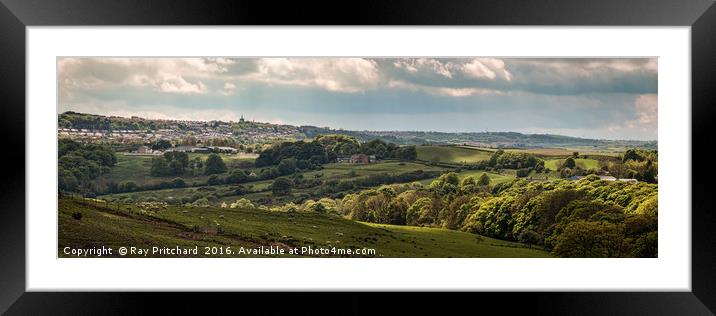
(225, 193)
(553, 164)
(136, 168)
(452, 154)
(495, 178)
(547, 152)
(127, 225)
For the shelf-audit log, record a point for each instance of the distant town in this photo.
(240, 134)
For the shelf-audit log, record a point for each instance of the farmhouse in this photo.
(606, 178)
(360, 158)
(343, 159)
(223, 149)
(190, 149)
(144, 150)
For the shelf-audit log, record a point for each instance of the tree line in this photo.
(78, 163)
(327, 148)
(585, 218)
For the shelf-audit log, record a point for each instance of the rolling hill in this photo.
(127, 225)
(451, 154)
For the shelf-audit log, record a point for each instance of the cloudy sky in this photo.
(594, 98)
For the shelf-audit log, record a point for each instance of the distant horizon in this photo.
(592, 98)
(363, 130)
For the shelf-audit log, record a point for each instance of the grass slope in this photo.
(136, 168)
(333, 171)
(495, 178)
(452, 154)
(553, 164)
(123, 225)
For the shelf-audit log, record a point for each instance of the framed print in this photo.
(476, 148)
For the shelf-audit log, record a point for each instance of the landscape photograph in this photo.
(349, 157)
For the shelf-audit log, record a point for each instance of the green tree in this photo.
(585, 239)
(529, 237)
(161, 144)
(178, 183)
(521, 173)
(181, 157)
(237, 176)
(632, 154)
(569, 163)
(213, 180)
(214, 165)
(420, 212)
(468, 181)
(160, 167)
(287, 166)
(484, 180)
(406, 153)
(281, 186)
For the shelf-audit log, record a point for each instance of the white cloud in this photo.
(441, 91)
(647, 106)
(181, 86)
(170, 75)
(348, 75)
(477, 68)
(589, 67)
(645, 123)
(229, 88)
(154, 111)
(486, 68)
(414, 65)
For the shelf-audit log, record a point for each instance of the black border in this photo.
(15, 15)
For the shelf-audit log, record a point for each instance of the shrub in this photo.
(281, 186)
(214, 164)
(529, 237)
(521, 173)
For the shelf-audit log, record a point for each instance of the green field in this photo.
(495, 178)
(136, 168)
(225, 193)
(452, 154)
(126, 225)
(553, 164)
(611, 152)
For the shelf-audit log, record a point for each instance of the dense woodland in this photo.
(586, 218)
(79, 163)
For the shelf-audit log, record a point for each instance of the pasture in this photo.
(259, 189)
(126, 225)
(495, 178)
(452, 154)
(584, 163)
(136, 168)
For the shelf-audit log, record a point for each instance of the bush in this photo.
(521, 173)
(237, 176)
(77, 215)
(569, 163)
(213, 180)
(529, 237)
(483, 180)
(214, 165)
(178, 183)
(281, 186)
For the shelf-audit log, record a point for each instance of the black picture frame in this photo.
(16, 15)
